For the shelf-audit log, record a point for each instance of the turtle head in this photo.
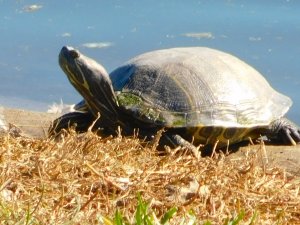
(81, 70)
(91, 80)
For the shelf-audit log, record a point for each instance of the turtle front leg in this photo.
(284, 131)
(81, 120)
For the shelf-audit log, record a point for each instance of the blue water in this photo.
(263, 33)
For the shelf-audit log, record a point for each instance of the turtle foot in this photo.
(285, 131)
(80, 120)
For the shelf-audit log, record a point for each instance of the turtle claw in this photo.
(294, 135)
(287, 136)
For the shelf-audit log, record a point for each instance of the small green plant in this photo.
(141, 214)
(144, 216)
(239, 218)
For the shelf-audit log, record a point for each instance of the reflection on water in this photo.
(263, 33)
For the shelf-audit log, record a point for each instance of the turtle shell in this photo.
(196, 87)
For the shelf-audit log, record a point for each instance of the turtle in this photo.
(198, 95)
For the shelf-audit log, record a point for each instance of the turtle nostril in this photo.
(74, 53)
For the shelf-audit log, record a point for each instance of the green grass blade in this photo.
(138, 213)
(239, 218)
(28, 215)
(253, 218)
(118, 220)
(168, 215)
(141, 215)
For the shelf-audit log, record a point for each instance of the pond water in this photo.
(263, 33)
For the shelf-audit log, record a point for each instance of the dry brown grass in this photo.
(82, 178)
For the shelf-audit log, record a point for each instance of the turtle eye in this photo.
(74, 53)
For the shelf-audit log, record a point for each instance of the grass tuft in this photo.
(86, 179)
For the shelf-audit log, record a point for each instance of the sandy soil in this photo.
(32, 124)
